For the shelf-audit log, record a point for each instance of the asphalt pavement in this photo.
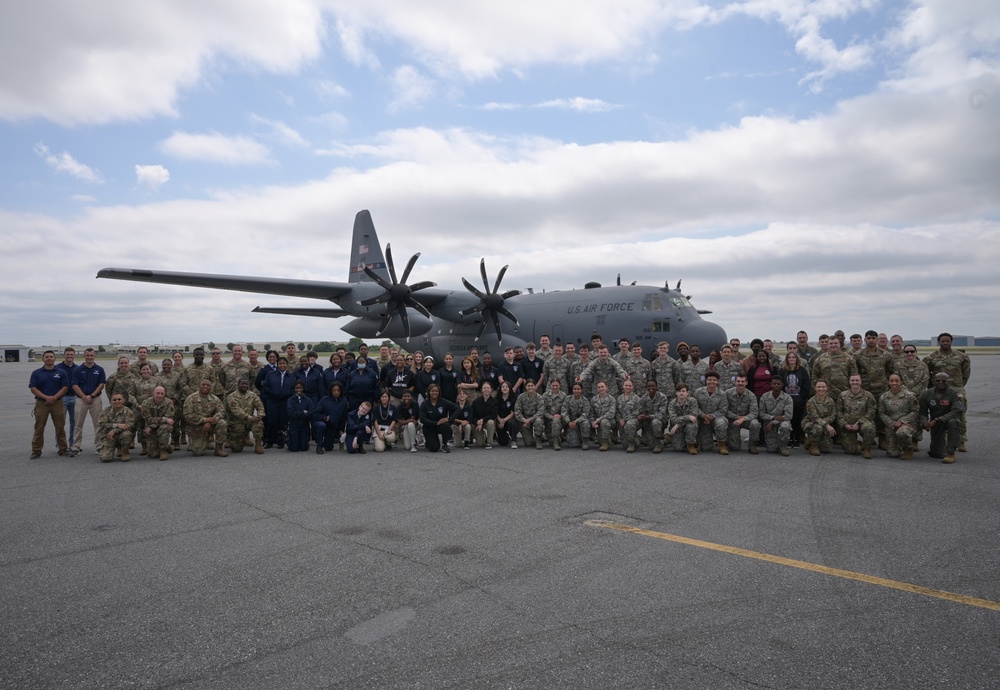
(496, 568)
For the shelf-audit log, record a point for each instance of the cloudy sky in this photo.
(817, 164)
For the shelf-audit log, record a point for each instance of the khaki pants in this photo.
(83, 409)
(42, 413)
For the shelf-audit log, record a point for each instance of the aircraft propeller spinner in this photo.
(398, 295)
(491, 302)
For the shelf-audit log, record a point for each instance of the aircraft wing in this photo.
(292, 311)
(314, 289)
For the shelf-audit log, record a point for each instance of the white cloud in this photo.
(582, 105)
(84, 198)
(410, 88)
(151, 176)
(331, 89)
(281, 131)
(102, 61)
(65, 163)
(216, 148)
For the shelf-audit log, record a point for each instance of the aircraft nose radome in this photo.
(706, 335)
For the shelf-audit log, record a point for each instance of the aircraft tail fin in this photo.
(365, 250)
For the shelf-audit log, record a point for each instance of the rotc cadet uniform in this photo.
(609, 371)
(552, 405)
(135, 368)
(246, 415)
(528, 409)
(576, 369)
(191, 377)
(197, 408)
(141, 391)
(836, 370)
(170, 384)
(651, 414)
(119, 382)
(875, 368)
(692, 374)
(916, 376)
(603, 410)
(781, 431)
(664, 370)
(231, 373)
(856, 408)
(155, 415)
(121, 438)
(819, 414)
(716, 430)
(626, 416)
(742, 406)
(557, 369)
(900, 407)
(577, 410)
(958, 367)
(687, 433)
(946, 408)
(728, 373)
(639, 371)
(533, 368)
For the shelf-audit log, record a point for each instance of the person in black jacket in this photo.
(436, 416)
(484, 411)
(359, 428)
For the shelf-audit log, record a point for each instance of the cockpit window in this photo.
(679, 301)
(653, 301)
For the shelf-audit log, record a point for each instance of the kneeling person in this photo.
(115, 429)
(204, 415)
(158, 418)
(246, 415)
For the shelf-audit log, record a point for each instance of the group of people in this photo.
(875, 394)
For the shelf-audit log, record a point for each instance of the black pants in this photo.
(436, 435)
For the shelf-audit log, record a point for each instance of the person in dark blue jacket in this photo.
(362, 386)
(335, 372)
(272, 365)
(300, 412)
(311, 375)
(359, 428)
(278, 388)
(330, 418)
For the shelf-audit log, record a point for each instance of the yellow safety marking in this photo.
(804, 565)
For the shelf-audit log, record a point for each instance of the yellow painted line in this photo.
(804, 565)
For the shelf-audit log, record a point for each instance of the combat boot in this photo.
(164, 455)
(126, 458)
(752, 448)
(907, 454)
(658, 447)
(556, 445)
(219, 452)
(604, 446)
(868, 453)
(948, 459)
(692, 449)
(784, 451)
(963, 448)
(631, 448)
(723, 448)
(258, 447)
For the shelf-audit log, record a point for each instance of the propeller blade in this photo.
(409, 267)
(474, 290)
(384, 297)
(385, 324)
(422, 285)
(388, 261)
(496, 325)
(496, 286)
(482, 329)
(377, 278)
(405, 319)
(473, 310)
(482, 270)
(419, 307)
(506, 312)
(511, 293)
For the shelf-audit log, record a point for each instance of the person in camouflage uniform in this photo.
(604, 369)
(624, 352)
(775, 412)
(551, 419)
(576, 418)
(875, 365)
(728, 369)
(120, 381)
(820, 423)
(216, 363)
(158, 424)
(627, 415)
(557, 368)
(807, 353)
(234, 371)
(683, 419)
(169, 378)
(528, 413)
(856, 410)
(896, 349)
(246, 415)
(651, 414)
(835, 367)
(603, 410)
(742, 411)
(140, 391)
(899, 409)
(142, 357)
(205, 415)
(115, 428)
(941, 408)
(638, 368)
(713, 424)
(957, 365)
(690, 368)
(915, 374)
(664, 371)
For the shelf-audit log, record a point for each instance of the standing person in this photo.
(116, 429)
(728, 369)
(330, 418)
(506, 416)
(488, 372)
(915, 374)
(941, 409)
(511, 372)
(278, 388)
(169, 378)
(300, 412)
(468, 379)
(425, 378)
(651, 415)
(691, 368)
(69, 366)
(603, 411)
(576, 414)
(664, 370)
(551, 413)
(713, 406)
(484, 412)
(605, 369)
(544, 351)
(875, 365)
(835, 367)
(88, 386)
(120, 381)
(49, 384)
(759, 375)
(638, 368)
(178, 358)
(362, 385)
(557, 367)
(399, 380)
(234, 371)
(683, 415)
(796, 378)
(142, 357)
(436, 416)
(449, 379)
(534, 368)
(528, 412)
(957, 365)
(806, 351)
(335, 372)
(271, 365)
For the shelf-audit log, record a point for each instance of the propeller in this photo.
(398, 295)
(491, 301)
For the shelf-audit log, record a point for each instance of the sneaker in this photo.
(489, 447)
(35, 454)
(413, 449)
(513, 446)
(446, 449)
(465, 444)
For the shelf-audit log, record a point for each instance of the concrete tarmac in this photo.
(484, 568)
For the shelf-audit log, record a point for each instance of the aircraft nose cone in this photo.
(706, 335)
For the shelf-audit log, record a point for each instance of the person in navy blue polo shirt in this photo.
(69, 366)
(49, 384)
(88, 384)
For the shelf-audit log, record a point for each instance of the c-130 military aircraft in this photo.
(421, 316)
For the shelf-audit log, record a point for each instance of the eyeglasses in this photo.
(909, 352)
(216, 353)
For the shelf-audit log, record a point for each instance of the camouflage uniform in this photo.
(639, 371)
(576, 410)
(808, 354)
(558, 369)
(119, 382)
(135, 368)
(959, 369)
(107, 423)
(728, 373)
(552, 404)
(232, 373)
(836, 370)
(687, 434)
(899, 407)
(603, 412)
(819, 413)
(665, 374)
(217, 388)
(626, 413)
(243, 407)
(875, 368)
(651, 430)
(609, 371)
(576, 368)
(947, 408)
(916, 377)
(155, 416)
(692, 374)
(856, 408)
(770, 407)
(717, 431)
(529, 407)
(141, 391)
(170, 383)
(742, 406)
(197, 408)
(191, 377)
